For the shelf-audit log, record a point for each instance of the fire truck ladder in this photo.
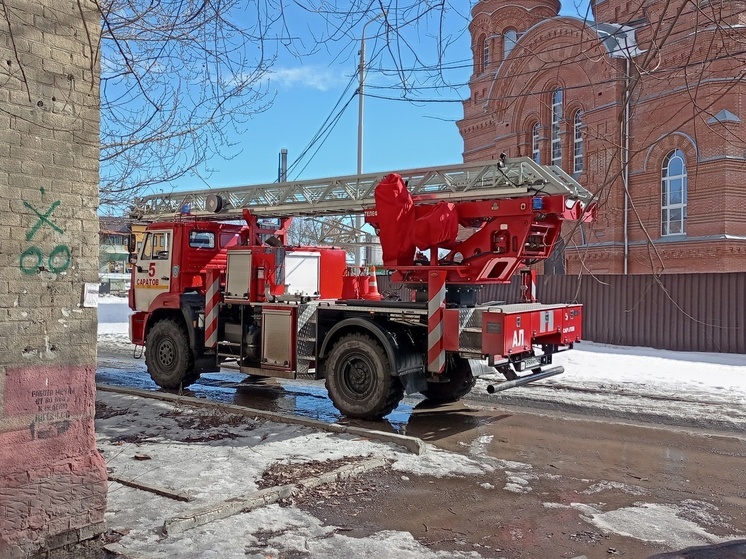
(504, 178)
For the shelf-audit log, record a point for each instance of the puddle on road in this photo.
(414, 416)
(301, 398)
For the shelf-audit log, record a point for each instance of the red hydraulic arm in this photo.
(472, 242)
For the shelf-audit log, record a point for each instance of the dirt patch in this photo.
(105, 412)
(215, 424)
(350, 489)
(187, 419)
(129, 439)
(90, 549)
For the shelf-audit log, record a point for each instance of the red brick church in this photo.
(643, 102)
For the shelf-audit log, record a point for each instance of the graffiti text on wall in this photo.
(33, 260)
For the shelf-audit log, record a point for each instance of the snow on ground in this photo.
(188, 451)
(664, 524)
(704, 389)
(216, 458)
(212, 463)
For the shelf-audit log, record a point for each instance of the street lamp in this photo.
(360, 93)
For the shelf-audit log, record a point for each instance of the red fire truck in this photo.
(211, 293)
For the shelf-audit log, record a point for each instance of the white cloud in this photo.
(314, 77)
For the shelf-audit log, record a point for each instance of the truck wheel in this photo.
(359, 380)
(460, 382)
(168, 355)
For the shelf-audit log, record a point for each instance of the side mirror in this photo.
(132, 259)
(131, 245)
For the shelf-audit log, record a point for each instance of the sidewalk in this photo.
(203, 481)
(209, 463)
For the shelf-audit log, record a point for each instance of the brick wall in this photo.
(52, 479)
(692, 77)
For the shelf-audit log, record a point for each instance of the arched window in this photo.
(483, 53)
(535, 146)
(556, 119)
(510, 37)
(577, 126)
(673, 193)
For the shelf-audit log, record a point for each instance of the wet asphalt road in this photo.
(297, 397)
(566, 469)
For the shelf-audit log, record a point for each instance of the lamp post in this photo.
(360, 93)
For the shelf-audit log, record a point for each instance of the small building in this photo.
(113, 256)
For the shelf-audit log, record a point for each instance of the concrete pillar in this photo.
(52, 479)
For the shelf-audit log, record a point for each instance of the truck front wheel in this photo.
(168, 356)
(459, 382)
(359, 380)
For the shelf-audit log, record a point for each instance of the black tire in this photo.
(460, 382)
(359, 379)
(168, 356)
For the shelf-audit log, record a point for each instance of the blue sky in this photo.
(397, 134)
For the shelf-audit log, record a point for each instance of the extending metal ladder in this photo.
(506, 178)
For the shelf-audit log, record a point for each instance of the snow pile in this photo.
(698, 389)
(212, 456)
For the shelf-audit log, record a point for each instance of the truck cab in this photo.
(174, 256)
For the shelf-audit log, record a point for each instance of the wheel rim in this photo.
(358, 377)
(166, 354)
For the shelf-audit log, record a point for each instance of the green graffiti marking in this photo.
(42, 219)
(31, 252)
(32, 259)
(59, 259)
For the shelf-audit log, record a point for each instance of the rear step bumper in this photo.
(520, 381)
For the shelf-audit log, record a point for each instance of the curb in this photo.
(412, 444)
(181, 523)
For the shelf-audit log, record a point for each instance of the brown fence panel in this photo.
(682, 312)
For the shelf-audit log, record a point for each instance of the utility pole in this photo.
(360, 92)
(282, 168)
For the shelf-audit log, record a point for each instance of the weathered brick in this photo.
(25, 153)
(52, 503)
(10, 137)
(40, 49)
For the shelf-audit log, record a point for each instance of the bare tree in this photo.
(181, 78)
(177, 77)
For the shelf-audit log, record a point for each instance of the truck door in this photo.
(153, 271)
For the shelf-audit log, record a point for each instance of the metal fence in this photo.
(682, 312)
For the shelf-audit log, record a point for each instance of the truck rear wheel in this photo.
(168, 356)
(460, 382)
(359, 379)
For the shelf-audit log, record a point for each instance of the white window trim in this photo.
(556, 143)
(510, 38)
(666, 206)
(578, 145)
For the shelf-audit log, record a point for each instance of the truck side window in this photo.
(155, 246)
(202, 239)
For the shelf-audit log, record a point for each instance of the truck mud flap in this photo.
(520, 381)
